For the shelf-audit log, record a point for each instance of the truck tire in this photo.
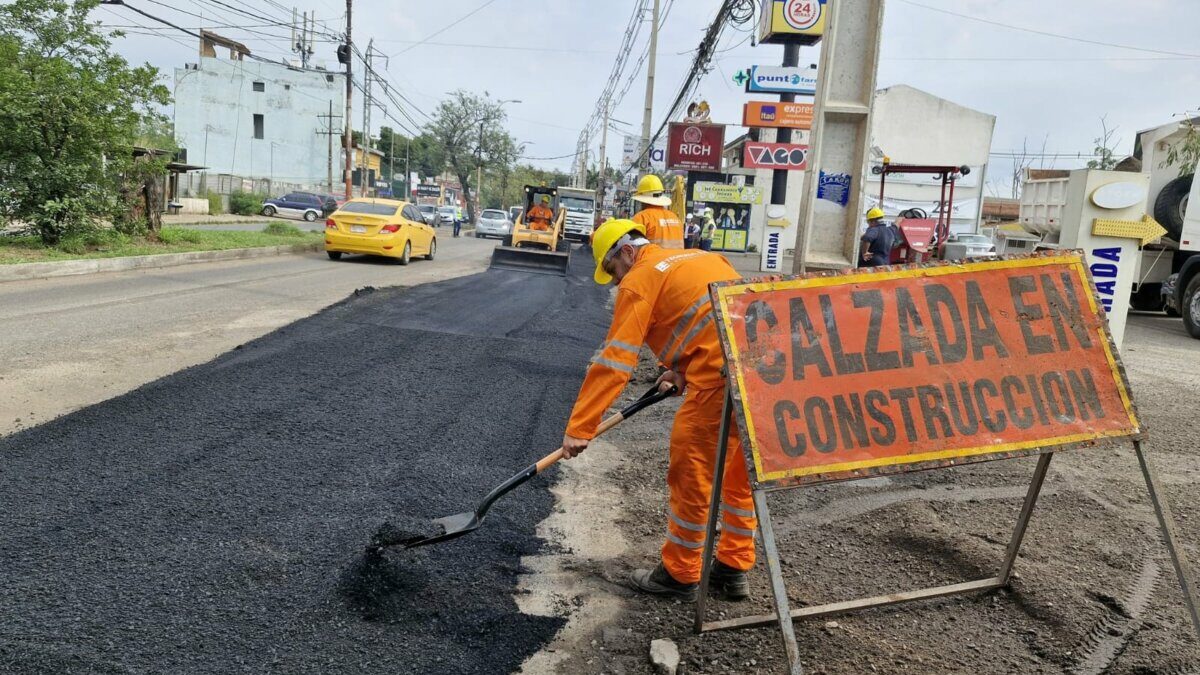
(1191, 307)
(1171, 204)
(1148, 298)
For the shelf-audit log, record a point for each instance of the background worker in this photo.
(877, 241)
(691, 232)
(707, 230)
(663, 302)
(661, 224)
(540, 216)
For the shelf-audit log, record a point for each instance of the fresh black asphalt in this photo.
(214, 520)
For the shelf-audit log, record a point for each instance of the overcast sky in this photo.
(1136, 62)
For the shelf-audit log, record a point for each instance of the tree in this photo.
(72, 111)
(1103, 150)
(1186, 152)
(424, 154)
(469, 130)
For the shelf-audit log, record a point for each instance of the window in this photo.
(259, 86)
(368, 208)
(412, 214)
(329, 78)
(287, 87)
(258, 126)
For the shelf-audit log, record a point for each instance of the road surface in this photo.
(73, 341)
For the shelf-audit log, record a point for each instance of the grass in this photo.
(27, 249)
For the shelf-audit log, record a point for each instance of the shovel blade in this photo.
(453, 527)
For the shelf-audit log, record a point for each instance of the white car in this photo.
(493, 223)
(430, 213)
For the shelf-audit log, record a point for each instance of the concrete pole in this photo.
(392, 163)
(646, 114)
(364, 172)
(603, 158)
(348, 141)
(407, 170)
(329, 158)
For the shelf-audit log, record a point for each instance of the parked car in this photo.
(429, 213)
(329, 201)
(447, 215)
(304, 205)
(493, 223)
(382, 227)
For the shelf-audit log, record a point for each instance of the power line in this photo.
(445, 28)
(1046, 33)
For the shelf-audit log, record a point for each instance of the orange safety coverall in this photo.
(540, 217)
(662, 226)
(663, 302)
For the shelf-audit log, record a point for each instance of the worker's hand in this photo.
(572, 446)
(867, 256)
(671, 378)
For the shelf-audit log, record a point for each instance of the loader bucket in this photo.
(530, 260)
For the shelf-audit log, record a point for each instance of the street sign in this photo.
(1146, 230)
(781, 80)
(427, 190)
(726, 193)
(695, 146)
(631, 149)
(783, 21)
(782, 156)
(901, 370)
(777, 114)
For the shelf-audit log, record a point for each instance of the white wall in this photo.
(911, 127)
(214, 109)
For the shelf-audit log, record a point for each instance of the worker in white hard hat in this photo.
(877, 241)
(662, 225)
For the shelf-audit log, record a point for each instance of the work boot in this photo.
(659, 581)
(730, 582)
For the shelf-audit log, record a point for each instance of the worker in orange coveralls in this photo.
(662, 224)
(663, 302)
(541, 215)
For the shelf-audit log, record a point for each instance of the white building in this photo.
(910, 126)
(258, 120)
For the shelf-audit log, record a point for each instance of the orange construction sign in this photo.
(863, 372)
(777, 114)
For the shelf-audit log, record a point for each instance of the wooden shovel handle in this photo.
(650, 397)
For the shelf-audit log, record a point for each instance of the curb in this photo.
(66, 268)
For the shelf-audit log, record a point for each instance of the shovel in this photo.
(462, 523)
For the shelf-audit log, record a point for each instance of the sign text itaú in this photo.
(904, 369)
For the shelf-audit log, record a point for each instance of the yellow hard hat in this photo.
(650, 190)
(874, 213)
(604, 238)
(545, 199)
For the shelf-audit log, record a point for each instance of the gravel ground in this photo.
(213, 520)
(1094, 590)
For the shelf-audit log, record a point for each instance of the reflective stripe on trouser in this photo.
(693, 453)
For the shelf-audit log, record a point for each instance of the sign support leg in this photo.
(782, 610)
(1167, 524)
(714, 503)
(1018, 535)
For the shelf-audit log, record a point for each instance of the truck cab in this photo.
(580, 206)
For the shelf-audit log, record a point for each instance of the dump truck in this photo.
(536, 245)
(580, 206)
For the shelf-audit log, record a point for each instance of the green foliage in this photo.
(1186, 152)
(1105, 161)
(526, 174)
(424, 153)
(72, 112)
(80, 242)
(215, 205)
(470, 132)
(246, 203)
(176, 235)
(282, 229)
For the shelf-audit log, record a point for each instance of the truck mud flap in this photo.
(530, 260)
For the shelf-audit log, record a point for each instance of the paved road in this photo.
(73, 341)
(214, 520)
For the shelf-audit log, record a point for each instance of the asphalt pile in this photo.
(215, 520)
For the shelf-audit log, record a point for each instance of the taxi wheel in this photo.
(334, 255)
(404, 258)
(432, 249)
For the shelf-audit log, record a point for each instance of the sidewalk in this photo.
(748, 263)
(184, 219)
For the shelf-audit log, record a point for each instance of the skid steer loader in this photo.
(536, 244)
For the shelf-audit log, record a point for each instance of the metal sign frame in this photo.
(785, 616)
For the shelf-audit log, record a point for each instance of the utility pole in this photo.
(365, 167)
(329, 133)
(583, 160)
(392, 162)
(603, 157)
(479, 172)
(407, 171)
(349, 138)
(772, 249)
(649, 90)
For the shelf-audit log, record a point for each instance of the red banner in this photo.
(695, 146)
(866, 372)
(783, 156)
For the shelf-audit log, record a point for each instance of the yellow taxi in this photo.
(384, 227)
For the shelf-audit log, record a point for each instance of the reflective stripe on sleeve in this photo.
(679, 327)
(706, 320)
(615, 365)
